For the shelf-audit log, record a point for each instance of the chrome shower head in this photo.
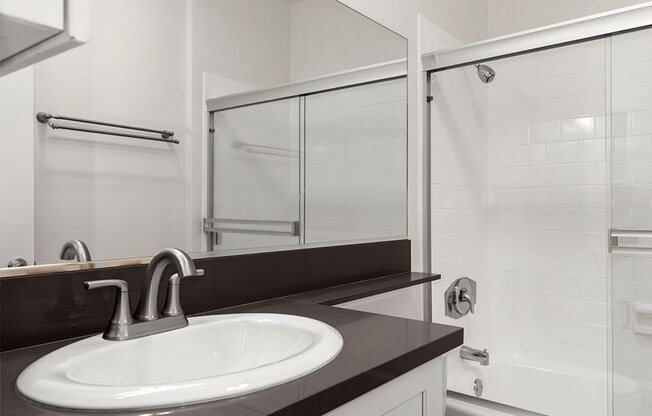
(485, 73)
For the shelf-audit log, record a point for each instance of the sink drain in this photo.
(478, 387)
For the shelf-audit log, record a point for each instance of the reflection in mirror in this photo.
(313, 151)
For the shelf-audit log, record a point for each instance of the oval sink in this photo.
(214, 357)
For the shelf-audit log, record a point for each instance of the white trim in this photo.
(76, 31)
(588, 27)
(374, 73)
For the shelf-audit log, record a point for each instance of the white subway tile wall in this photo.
(356, 163)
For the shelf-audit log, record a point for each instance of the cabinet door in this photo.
(419, 392)
(412, 407)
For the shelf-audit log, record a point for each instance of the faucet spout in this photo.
(147, 309)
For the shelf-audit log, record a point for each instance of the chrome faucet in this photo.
(147, 319)
(75, 249)
(147, 309)
(471, 354)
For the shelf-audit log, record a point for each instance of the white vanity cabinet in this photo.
(33, 30)
(419, 392)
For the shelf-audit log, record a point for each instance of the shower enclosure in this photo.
(541, 191)
(317, 161)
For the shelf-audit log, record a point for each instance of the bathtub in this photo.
(541, 388)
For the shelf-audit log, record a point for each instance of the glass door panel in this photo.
(256, 199)
(518, 203)
(631, 261)
(356, 170)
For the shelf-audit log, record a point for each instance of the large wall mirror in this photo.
(290, 118)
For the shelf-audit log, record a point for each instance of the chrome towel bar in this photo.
(47, 118)
(217, 225)
(616, 247)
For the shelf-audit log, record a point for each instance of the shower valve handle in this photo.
(462, 290)
(464, 297)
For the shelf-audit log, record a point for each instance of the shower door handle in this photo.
(616, 246)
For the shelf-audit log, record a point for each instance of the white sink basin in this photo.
(213, 358)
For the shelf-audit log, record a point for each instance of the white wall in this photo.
(509, 16)
(327, 38)
(17, 166)
(123, 197)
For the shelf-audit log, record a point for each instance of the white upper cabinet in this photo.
(33, 30)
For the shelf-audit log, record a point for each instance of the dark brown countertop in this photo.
(377, 349)
(358, 290)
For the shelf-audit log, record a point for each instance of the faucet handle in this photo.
(173, 301)
(121, 312)
(175, 279)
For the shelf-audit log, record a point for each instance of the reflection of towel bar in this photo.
(266, 150)
(214, 225)
(616, 247)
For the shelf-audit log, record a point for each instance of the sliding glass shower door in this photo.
(519, 204)
(356, 163)
(321, 167)
(631, 222)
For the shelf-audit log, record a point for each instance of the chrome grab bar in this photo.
(47, 118)
(212, 225)
(615, 243)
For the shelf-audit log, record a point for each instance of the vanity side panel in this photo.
(424, 385)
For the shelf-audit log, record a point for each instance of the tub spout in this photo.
(480, 356)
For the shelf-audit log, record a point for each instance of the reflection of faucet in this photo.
(147, 320)
(75, 249)
(480, 356)
(17, 262)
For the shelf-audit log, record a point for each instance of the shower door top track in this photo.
(367, 75)
(560, 34)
